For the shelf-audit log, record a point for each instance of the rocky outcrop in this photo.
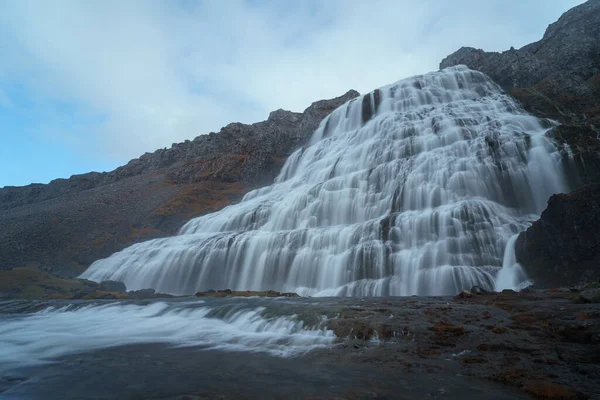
(67, 224)
(563, 246)
(565, 59)
(557, 77)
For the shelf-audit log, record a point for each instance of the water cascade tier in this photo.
(413, 189)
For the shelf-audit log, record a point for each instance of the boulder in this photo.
(562, 248)
(112, 286)
(590, 296)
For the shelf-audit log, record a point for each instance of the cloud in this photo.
(149, 73)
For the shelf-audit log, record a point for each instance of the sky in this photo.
(89, 85)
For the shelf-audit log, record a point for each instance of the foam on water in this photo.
(30, 339)
(414, 188)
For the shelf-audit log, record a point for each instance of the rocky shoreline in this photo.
(545, 343)
(533, 344)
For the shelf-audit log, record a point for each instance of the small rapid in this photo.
(412, 189)
(45, 336)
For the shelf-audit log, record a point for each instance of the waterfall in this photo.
(511, 275)
(414, 188)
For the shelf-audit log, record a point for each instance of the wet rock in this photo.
(446, 330)
(563, 246)
(478, 359)
(498, 329)
(246, 293)
(590, 296)
(465, 294)
(112, 286)
(142, 293)
(547, 390)
(364, 333)
(478, 290)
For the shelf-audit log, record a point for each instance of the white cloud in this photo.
(157, 72)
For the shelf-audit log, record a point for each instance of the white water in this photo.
(511, 275)
(414, 188)
(52, 333)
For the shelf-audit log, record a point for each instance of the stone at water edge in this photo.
(590, 296)
(113, 286)
(246, 293)
(478, 290)
(142, 293)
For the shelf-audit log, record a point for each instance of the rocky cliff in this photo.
(563, 246)
(69, 223)
(558, 77)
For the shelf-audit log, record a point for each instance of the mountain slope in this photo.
(69, 223)
(557, 77)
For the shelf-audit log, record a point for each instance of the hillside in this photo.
(64, 226)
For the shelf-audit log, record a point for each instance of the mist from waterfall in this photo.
(414, 188)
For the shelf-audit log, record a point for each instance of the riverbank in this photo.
(541, 344)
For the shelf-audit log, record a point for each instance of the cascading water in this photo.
(48, 335)
(414, 188)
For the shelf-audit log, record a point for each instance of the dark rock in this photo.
(142, 293)
(478, 290)
(465, 294)
(564, 59)
(590, 296)
(246, 293)
(112, 286)
(563, 246)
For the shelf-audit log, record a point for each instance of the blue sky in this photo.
(88, 85)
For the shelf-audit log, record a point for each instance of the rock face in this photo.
(566, 58)
(563, 246)
(67, 224)
(558, 78)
